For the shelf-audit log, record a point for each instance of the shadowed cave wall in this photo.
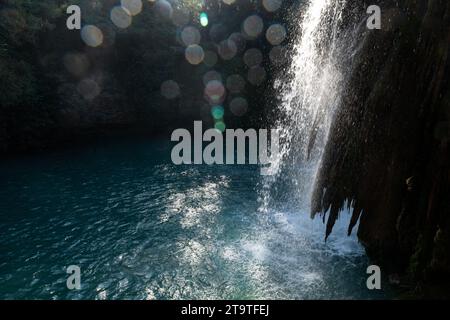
(42, 65)
(388, 147)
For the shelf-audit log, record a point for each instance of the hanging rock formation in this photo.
(388, 149)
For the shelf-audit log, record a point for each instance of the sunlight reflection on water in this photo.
(142, 228)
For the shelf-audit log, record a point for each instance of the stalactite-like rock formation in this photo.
(388, 149)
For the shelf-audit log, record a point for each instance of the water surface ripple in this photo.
(142, 228)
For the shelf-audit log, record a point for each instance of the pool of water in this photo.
(140, 227)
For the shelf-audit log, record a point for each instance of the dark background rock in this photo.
(41, 106)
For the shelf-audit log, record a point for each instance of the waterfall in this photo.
(310, 91)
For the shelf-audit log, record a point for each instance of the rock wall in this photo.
(54, 88)
(388, 149)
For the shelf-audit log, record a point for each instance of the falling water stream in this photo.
(140, 227)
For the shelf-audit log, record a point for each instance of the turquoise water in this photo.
(142, 228)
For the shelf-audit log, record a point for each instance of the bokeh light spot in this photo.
(238, 40)
(133, 6)
(204, 19)
(109, 34)
(217, 112)
(275, 34)
(180, 17)
(210, 76)
(164, 8)
(253, 57)
(92, 36)
(215, 92)
(76, 63)
(218, 32)
(227, 49)
(194, 54)
(277, 55)
(220, 125)
(272, 5)
(88, 88)
(253, 26)
(239, 106)
(190, 35)
(210, 58)
(256, 75)
(235, 83)
(121, 17)
(170, 89)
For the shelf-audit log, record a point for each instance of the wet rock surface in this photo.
(388, 147)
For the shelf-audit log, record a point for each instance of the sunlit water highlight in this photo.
(142, 228)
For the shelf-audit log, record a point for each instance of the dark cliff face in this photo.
(54, 85)
(388, 148)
